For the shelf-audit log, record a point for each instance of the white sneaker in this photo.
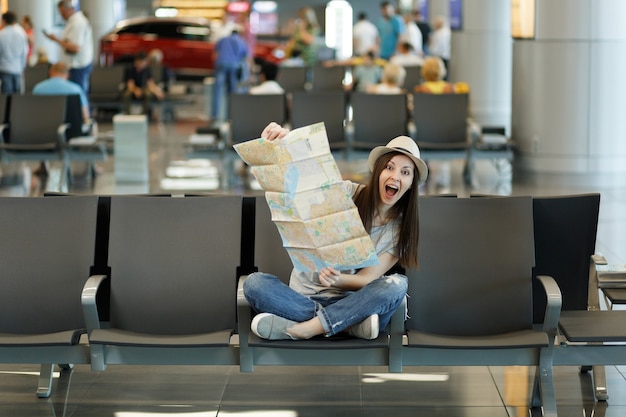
(271, 327)
(367, 329)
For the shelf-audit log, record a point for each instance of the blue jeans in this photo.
(383, 296)
(11, 83)
(225, 76)
(81, 76)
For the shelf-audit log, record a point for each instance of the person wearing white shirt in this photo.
(440, 40)
(269, 72)
(412, 35)
(76, 42)
(364, 35)
(13, 53)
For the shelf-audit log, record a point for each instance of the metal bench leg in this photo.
(45, 380)
(599, 383)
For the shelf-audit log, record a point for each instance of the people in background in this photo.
(391, 82)
(303, 41)
(13, 53)
(366, 71)
(433, 74)
(361, 303)
(76, 42)
(58, 83)
(229, 55)
(406, 56)
(412, 35)
(27, 25)
(390, 28)
(140, 85)
(424, 28)
(440, 40)
(268, 85)
(364, 36)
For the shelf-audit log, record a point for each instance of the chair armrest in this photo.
(553, 305)
(88, 301)
(61, 132)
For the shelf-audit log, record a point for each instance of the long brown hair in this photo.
(368, 200)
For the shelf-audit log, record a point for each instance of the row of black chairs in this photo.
(356, 122)
(331, 78)
(48, 128)
(173, 299)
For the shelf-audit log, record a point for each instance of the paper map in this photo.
(310, 203)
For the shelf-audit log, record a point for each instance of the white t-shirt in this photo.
(78, 30)
(267, 87)
(364, 34)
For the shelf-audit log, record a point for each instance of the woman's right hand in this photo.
(274, 131)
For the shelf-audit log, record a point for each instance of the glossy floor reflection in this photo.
(199, 391)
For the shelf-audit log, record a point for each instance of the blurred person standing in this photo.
(303, 41)
(13, 52)
(230, 54)
(364, 35)
(76, 42)
(424, 28)
(440, 41)
(27, 24)
(412, 35)
(390, 28)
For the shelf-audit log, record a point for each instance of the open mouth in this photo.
(391, 190)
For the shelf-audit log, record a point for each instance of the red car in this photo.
(186, 43)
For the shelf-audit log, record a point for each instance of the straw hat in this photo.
(404, 145)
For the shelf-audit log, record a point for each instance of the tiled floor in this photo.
(140, 391)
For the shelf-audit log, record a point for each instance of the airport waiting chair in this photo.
(33, 75)
(565, 235)
(376, 119)
(440, 123)
(328, 78)
(470, 302)
(41, 141)
(82, 141)
(309, 107)
(173, 301)
(270, 256)
(47, 247)
(413, 77)
(292, 79)
(105, 87)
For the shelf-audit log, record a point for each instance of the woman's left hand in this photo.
(329, 277)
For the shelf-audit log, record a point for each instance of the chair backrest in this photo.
(321, 106)
(440, 119)
(565, 238)
(250, 113)
(107, 81)
(378, 118)
(292, 78)
(173, 263)
(74, 116)
(49, 112)
(47, 247)
(269, 254)
(476, 257)
(33, 75)
(5, 105)
(328, 78)
(413, 77)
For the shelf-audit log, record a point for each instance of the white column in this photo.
(481, 55)
(568, 101)
(102, 15)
